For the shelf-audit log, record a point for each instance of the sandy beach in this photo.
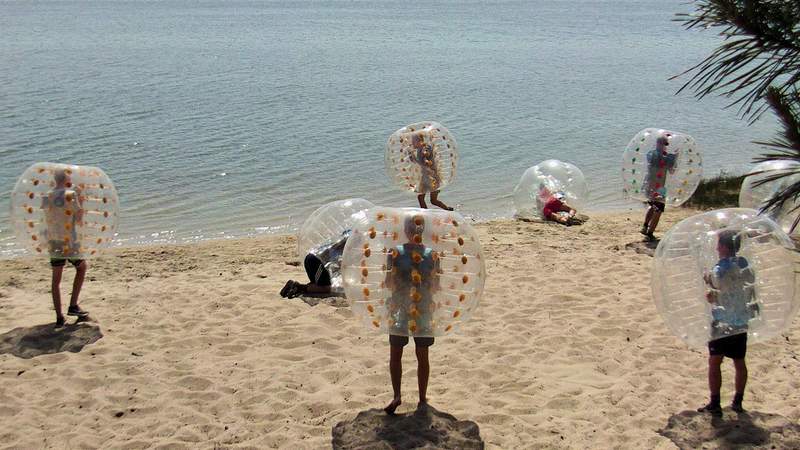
(192, 347)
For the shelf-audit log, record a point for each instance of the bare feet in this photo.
(391, 407)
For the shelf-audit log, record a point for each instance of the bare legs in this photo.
(423, 373)
(714, 375)
(651, 220)
(715, 384)
(55, 290)
(434, 201)
(77, 284)
(396, 372)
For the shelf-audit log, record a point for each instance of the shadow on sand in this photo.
(751, 429)
(424, 428)
(643, 247)
(29, 342)
(337, 300)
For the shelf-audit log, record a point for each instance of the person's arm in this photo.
(672, 162)
(710, 279)
(568, 209)
(389, 280)
(80, 210)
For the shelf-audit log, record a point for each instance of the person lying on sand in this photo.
(556, 210)
(323, 267)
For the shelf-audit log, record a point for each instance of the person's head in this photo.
(662, 142)
(61, 178)
(418, 140)
(728, 243)
(414, 227)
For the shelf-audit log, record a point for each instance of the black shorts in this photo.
(657, 205)
(316, 271)
(734, 347)
(61, 262)
(401, 341)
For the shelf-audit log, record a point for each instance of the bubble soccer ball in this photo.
(421, 157)
(661, 165)
(328, 222)
(64, 211)
(413, 272)
(545, 180)
(703, 293)
(756, 196)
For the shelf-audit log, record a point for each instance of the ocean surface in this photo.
(232, 118)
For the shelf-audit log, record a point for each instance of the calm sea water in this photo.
(228, 118)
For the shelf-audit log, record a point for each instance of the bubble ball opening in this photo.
(64, 211)
(755, 194)
(421, 157)
(722, 273)
(661, 165)
(325, 231)
(413, 272)
(547, 180)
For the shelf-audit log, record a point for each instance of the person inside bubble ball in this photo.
(323, 264)
(557, 210)
(64, 213)
(413, 277)
(430, 181)
(659, 162)
(731, 293)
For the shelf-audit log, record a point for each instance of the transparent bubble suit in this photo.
(328, 222)
(421, 157)
(755, 196)
(661, 165)
(413, 272)
(543, 181)
(64, 211)
(758, 284)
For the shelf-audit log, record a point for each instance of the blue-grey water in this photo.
(226, 118)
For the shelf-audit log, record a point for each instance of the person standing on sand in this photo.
(413, 277)
(64, 213)
(659, 162)
(430, 180)
(731, 293)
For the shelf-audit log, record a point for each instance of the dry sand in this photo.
(192, 347)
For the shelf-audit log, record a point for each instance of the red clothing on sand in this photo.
(552, 206)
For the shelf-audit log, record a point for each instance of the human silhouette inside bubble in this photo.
(423, 155)
(413, 277)
(731, 293)
(323, 265)
(64, 214)
(660, 162)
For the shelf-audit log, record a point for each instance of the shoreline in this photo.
(12, 251)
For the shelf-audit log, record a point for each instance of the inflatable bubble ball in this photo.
(64, 211)
(421, 157)
(413, 272)
(755, 195)
(723, 273)
(545, 181)
(325, 232)
(660, 165)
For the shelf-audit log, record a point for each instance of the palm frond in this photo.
(761, 49)
(786, 147)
